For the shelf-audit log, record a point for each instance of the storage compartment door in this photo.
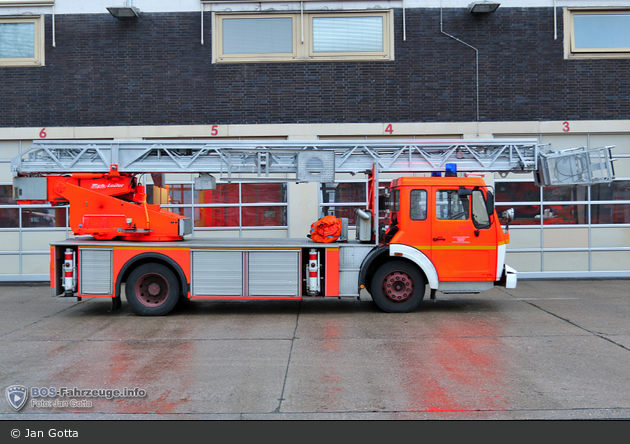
(95, 271)
(350, 260)
(273, 273)
(217, 273)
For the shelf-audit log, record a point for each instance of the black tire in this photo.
(152, 290)
(398, 287)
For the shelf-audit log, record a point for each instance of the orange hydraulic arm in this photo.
(112, 205)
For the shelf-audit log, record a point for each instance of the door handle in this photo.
(438, 239)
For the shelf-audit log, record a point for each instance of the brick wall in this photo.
(154, 71)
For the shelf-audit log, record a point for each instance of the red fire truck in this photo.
(441, 232)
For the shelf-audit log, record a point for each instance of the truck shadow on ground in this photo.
(333, 306)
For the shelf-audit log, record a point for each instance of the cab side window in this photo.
(418, 204)
(395, 202)
(451, 206)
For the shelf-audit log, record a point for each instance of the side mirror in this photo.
(490, 202)
(508, 215)
(383, 201)
(464, 192)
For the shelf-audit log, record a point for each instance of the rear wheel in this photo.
(152, 290)
(398, 287)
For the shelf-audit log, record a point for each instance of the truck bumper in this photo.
(509, 277)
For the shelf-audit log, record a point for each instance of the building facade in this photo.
(303, 70)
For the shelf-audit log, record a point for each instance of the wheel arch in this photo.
(145, 258)
(374, 259)
(419, 259)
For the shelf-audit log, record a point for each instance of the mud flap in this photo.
(116, 304)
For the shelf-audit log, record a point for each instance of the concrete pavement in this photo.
(546, 350)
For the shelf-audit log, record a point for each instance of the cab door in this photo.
(418, 226)
(464, 246)
(410, 221)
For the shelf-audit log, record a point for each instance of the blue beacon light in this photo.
(451, 170)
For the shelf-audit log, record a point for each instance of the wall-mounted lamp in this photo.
(124, 12)
(482, 7)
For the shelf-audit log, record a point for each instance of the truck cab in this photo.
(443, 232)
(452, 221)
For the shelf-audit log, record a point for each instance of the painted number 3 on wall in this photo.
(565, 127)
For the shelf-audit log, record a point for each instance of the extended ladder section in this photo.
(576, 166)
(318, 161)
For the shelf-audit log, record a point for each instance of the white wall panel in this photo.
(9, 241)
(565, 237)
(610, 237)
(610, 260)
(41, 240)
(523, 238)
(36, 264)
(566, 261)
(10, 264)
(523, 262)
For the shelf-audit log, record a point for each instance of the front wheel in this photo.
(152, 290)
(398, 287)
